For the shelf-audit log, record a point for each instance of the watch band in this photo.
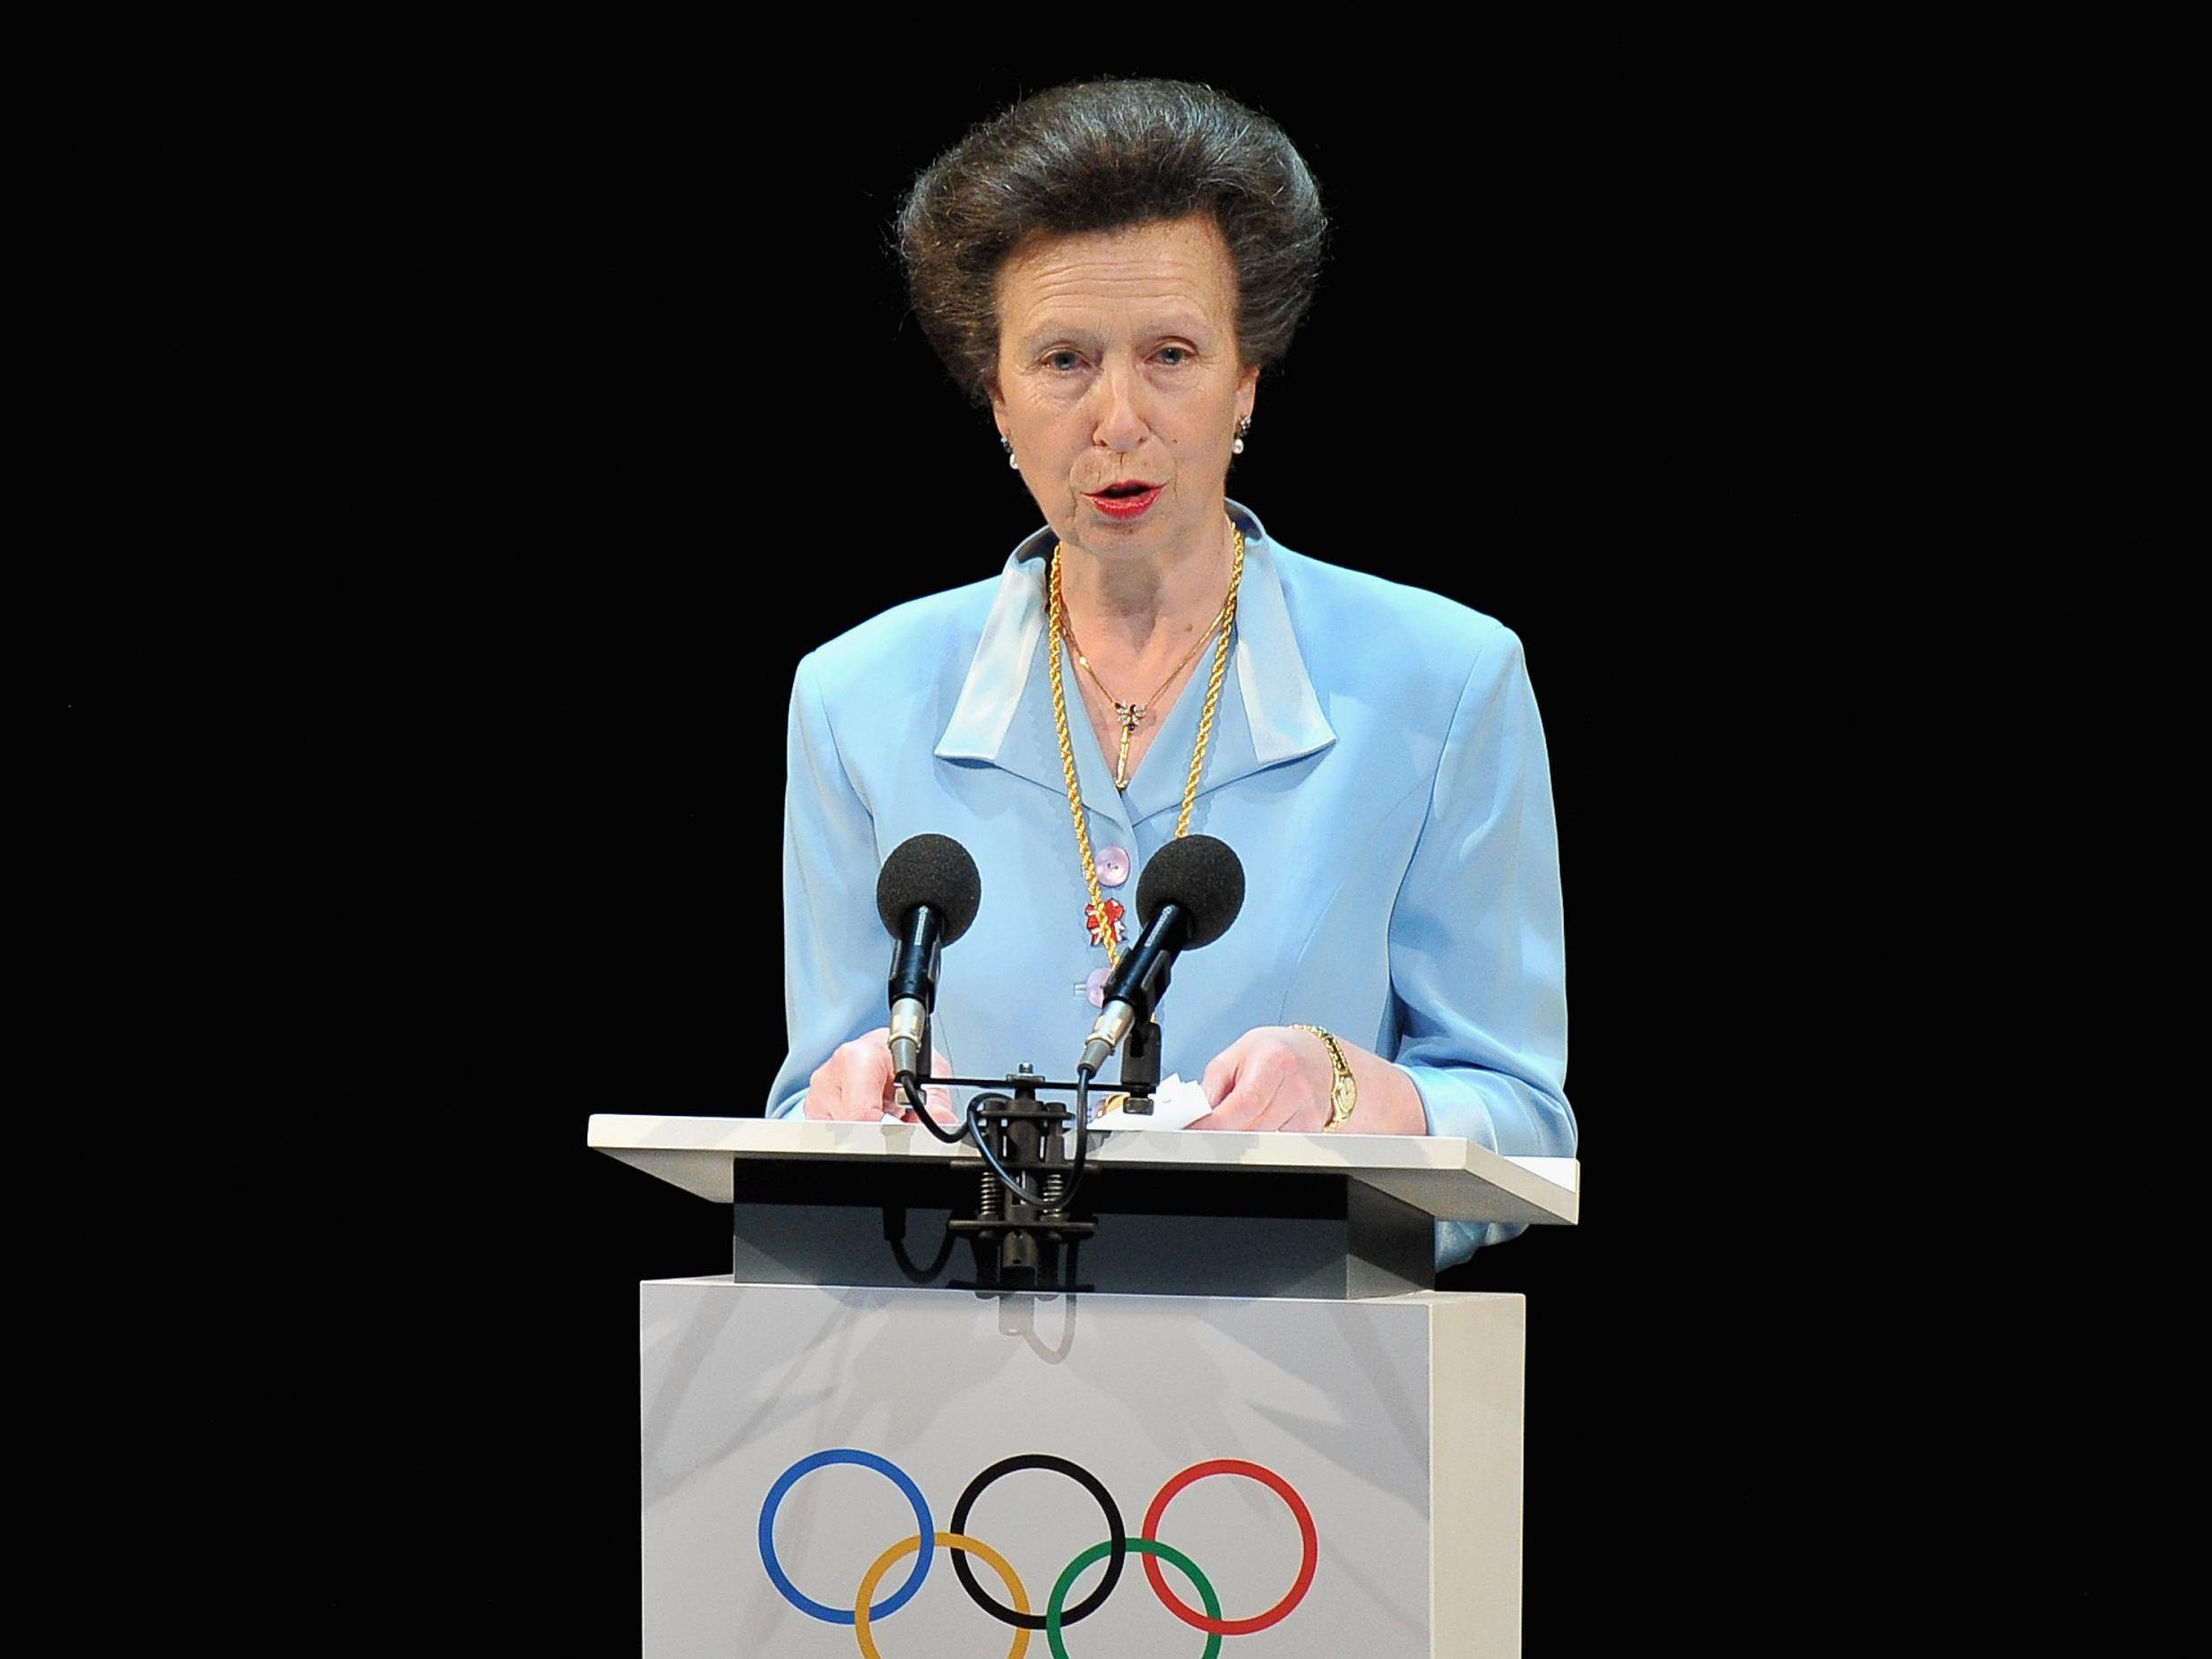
(1343, 1092)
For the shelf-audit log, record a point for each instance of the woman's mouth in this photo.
(1125, 500)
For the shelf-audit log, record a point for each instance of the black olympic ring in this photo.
(1118, 1538)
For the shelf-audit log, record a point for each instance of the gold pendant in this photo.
(1132, 715)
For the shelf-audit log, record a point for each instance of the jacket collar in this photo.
(1269, 713)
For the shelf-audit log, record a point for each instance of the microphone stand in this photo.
(1021, 1224)
(1020, 1228)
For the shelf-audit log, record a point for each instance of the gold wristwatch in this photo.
(1343, 1093)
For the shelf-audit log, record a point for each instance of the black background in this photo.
(640, 420)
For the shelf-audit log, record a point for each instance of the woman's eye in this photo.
(1175, 357)
(1063, 362)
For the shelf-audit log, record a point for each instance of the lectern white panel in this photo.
(1367, 1501)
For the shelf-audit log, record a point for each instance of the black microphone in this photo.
(927, 895)
(1191, 891)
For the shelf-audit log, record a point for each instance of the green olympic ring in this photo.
(1140, 1546)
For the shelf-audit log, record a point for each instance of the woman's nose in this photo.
(1120, 424)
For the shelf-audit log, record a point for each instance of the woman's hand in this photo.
(855, 1083)
(1276, 1077)
(1280, 1077)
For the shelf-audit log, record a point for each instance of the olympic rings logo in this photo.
(1024, 1618)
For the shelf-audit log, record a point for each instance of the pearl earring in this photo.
(1237, 446)
(1008, 444)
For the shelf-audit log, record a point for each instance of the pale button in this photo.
(1113, 866)
(1094, 988)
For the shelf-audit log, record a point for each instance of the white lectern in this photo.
(1253, 1431)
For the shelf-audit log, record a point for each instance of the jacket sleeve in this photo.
(834, 951)
(1476, 955)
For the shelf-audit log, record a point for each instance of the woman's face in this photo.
(1119, 385)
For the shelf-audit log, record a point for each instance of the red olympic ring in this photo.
(1309, 1539)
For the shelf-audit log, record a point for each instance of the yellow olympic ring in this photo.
(897, 1552)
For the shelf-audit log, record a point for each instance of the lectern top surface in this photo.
(1452, 1178)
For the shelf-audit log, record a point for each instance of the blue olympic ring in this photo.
(865, 1460)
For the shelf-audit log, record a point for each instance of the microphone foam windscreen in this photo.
(1200, 875)
(935, 870)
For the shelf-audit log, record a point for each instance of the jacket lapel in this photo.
(1268, 714)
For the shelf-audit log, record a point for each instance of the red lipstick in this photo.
(1126, 500)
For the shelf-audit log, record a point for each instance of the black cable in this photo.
(973, 1126)
(1083, 1142)
(1082, 1129)
(1011, 1181)
(916, 1104)
(894, 1234)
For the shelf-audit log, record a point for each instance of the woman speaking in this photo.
(1111, 268)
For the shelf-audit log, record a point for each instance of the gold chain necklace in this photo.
(1105, 923)
(1134, 714)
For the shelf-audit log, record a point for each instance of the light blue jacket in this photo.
(1377, 763)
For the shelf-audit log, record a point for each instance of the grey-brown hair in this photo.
(1109, 155)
